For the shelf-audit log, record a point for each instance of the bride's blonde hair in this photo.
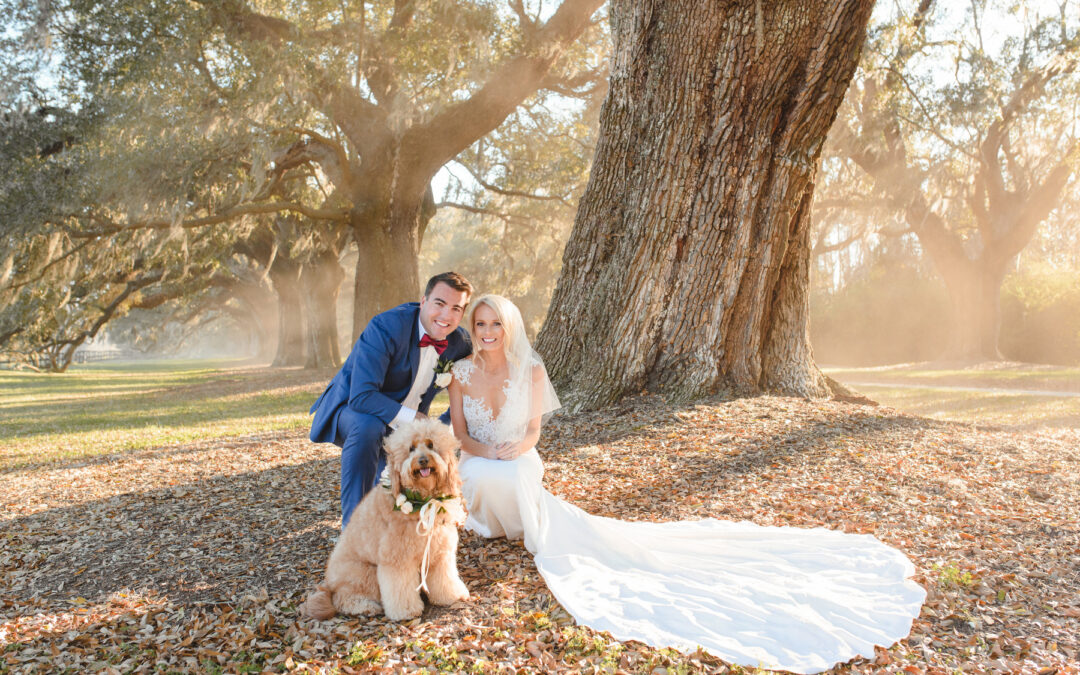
(510, 318)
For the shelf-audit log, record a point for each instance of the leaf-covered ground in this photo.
(192, 558)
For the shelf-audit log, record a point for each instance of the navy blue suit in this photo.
(366, 394)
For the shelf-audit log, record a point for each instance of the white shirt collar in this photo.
(422, 331)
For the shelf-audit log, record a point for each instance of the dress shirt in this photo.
(425, 374)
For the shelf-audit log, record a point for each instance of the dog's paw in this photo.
(462, 592)
(359, 606)
(409, 610)
(448, 592)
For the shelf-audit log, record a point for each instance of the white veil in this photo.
(529, 389)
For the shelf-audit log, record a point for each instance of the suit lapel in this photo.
(414, 346)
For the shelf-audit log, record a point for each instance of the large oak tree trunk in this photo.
(388, 237)
(387, 269)
(687, 269)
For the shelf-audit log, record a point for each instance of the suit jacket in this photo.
(380, 371)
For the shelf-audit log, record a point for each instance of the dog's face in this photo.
(422, 458)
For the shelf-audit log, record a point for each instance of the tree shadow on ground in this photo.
(159, 452)
(715, 457)
(211, 540)
(223, 536)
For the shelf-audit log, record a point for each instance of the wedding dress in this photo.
(773, 597)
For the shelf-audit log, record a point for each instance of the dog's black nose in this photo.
(423, 461)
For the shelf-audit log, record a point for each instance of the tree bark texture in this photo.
(687, 269)
(388, 229)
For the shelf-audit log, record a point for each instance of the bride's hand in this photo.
(508, 450)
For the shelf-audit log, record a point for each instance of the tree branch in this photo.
(342, 103)
(318, 149)
(65, 348)
(511, 193)
(234, 17)
(505, 217)
(1032, 87)
(1043, 199)
(363, 123)
(449, 133)
(821, 248)
(41, 272)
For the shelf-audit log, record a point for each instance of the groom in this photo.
(388, 379)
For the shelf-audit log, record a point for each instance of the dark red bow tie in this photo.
(439, 345)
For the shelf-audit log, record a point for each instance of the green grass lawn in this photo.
(979, 407)
(922, 389)
(1005, 375)
(105, 408)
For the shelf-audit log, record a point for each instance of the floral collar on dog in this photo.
(409, 501)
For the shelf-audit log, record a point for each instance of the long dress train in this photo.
(775, 597)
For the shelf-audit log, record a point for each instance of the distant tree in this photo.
(46, 317)
(972, 144)
(214, 112)
(687, 268)
(306, 286)
(237, 305)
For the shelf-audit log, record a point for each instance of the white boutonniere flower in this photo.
(400, 500)
(406, 507)
(443, 376)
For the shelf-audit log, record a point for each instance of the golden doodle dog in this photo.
(403, 535)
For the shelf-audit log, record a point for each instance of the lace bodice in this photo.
(483, 424)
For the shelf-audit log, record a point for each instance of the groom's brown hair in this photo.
(451, 279)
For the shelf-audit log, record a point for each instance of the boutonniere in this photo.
(442, 373)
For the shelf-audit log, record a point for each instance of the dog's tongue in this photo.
(425, 472)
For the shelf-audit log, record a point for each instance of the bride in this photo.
(775, 597)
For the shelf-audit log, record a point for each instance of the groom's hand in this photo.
(420, 416)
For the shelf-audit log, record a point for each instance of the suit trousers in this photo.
(362, 457)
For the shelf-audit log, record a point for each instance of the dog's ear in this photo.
(395, 479)
(393, 461)
(448, 445)
(453, 480)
